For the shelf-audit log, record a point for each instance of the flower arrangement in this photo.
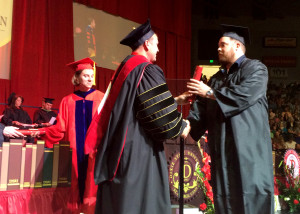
(289, 189)
(204, 176)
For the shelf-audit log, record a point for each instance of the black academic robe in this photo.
(15, 114)
(131, 167)
(239, 138)
(43, 116)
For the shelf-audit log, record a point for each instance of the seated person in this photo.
(14, 114)
(43, 115)
(278, 141)
(290, 143)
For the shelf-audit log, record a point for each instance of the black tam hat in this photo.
(237, 32)
(48, 100)
(138, 36)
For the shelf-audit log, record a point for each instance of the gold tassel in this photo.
(94, 68)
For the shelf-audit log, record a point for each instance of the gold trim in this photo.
(153, 104)
(15, 144)
(160, 116)
(171, 127)
(154, 97)
(40, 142)
(151, 89)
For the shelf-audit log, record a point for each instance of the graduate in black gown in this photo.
(15, 114)
(138, 115)
(43, 115)
(233, 108)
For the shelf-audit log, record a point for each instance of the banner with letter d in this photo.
(6, 7)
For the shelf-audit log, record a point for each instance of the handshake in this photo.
(195, 87)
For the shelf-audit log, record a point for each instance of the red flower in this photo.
(202, 206)
(299, 190)
(275, 180)
(206, 184)
(206, 169)
(208, 176)
(287, 185)
(296, 201)
(209, 194)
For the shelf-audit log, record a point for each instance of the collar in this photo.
(240, 60)
(237, 63)
(45, 110)
(83, 94)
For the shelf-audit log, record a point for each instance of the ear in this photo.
(146, 45)
(238, 45)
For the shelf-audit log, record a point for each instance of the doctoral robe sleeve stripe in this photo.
(168, 135)
(147, 95)
(159, 129)
(155, 107)
(170, 132)
(159, 122)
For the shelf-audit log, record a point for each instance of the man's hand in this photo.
(184, 98)
(186, 130)
(11, 131)
(197, 87)
(16, 123)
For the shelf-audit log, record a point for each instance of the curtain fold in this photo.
(42, 43)
(5, 92)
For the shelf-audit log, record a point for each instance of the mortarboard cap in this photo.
(236, 32)
(48, 100)
(138, 36)
(82, 64)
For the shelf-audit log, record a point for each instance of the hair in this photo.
(12, 104)
(75, 78)
(243, 47)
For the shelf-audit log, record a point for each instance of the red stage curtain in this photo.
(42, 44)
(5, 91)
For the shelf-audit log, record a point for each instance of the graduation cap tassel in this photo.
(94, 68)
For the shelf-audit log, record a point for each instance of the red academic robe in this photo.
(68, 120)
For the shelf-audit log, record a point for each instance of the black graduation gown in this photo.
(42, 116)
(131, 167)
(239, 139)
(15, 114)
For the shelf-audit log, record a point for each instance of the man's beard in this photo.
(223, 60)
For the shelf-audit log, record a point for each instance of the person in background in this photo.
(15, 114)
(137, 116)
(290, 143)
(43, 115)
(233, 108)
(75, 114)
